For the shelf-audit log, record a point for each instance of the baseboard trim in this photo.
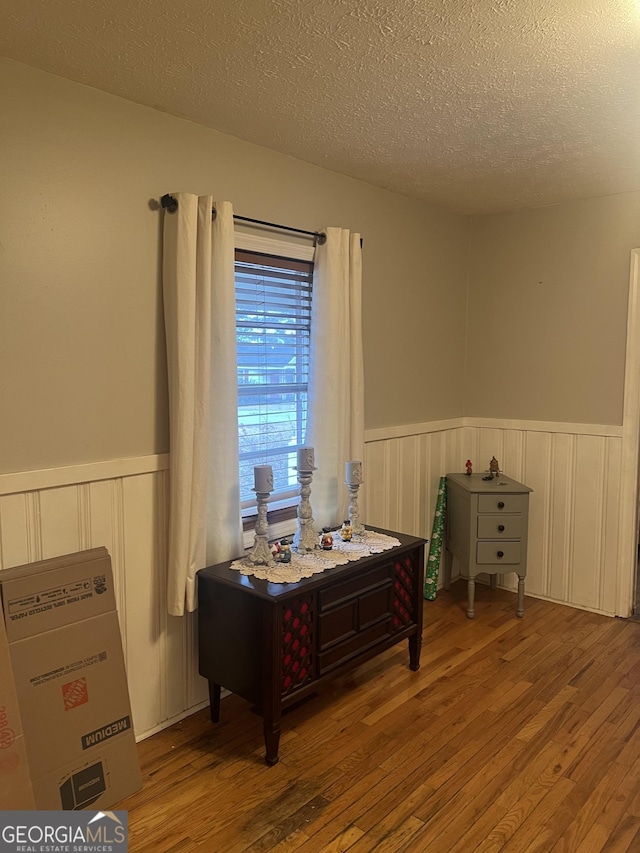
(175, 719)
(484, 581)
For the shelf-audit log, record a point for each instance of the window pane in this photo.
(273, 322)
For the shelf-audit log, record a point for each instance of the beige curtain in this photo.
(199, 309)
(336, 380)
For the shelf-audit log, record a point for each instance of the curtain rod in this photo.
(170, 203)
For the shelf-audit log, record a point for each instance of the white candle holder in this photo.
(305, 539)
(354, 512)
(260, 554)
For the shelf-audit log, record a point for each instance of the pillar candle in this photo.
(263, 478)
(353, 473)
(306, 459)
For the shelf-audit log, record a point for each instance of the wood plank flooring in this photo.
(516, 735)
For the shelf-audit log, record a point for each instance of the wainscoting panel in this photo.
(402, 475)
(127, 515)
(612, 525)
(142, 578)
(14, 531)
(575, 474)
(574, 531)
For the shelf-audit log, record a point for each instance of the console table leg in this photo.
(214, 701)
(471, 594)
(415, 646)
(520, 610)
(271, 741)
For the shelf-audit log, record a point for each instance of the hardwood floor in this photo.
(515, 735)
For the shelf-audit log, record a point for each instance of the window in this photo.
(273, 325)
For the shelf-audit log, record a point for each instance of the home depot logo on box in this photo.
(75, 693)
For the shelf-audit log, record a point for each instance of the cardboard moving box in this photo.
(15, 785)
(67, 663)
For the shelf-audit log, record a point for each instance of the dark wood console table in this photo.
(273, 643)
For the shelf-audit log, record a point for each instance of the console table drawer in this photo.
(352, 647)
(375, 606)
(339, 623)
(339, 592)
(499, 526)
(490, 553)
(353, 615)
(500, 503)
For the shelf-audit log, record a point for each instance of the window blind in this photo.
(273, 326)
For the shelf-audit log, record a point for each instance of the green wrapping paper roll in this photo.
(435, 546)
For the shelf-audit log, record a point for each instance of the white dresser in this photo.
(486, 530)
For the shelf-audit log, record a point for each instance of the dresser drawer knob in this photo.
(500, 504)
(500, 554)
(501, 528)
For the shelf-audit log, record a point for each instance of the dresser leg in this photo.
(520, 610)
(214, 701)
(271, 741)
(493, 581)
(471, 594)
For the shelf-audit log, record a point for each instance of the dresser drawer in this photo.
(499, 526)
(500, 503)
(491, 553)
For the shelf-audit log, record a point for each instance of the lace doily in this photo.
(306, 565)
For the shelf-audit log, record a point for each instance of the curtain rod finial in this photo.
(169, 203)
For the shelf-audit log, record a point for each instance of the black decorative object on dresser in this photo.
(272, 643)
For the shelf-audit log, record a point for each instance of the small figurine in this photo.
(469, 467)
(493, 466)
(275, 550)
(346, 531)
(284, 555)
(326, 539)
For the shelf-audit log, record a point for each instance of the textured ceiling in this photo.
(474, 105)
